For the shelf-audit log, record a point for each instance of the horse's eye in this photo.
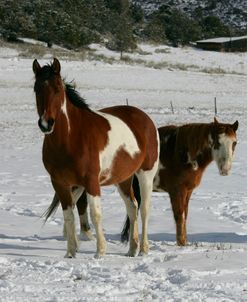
(234, 144)
(56, 91)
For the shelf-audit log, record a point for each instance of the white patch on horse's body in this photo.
(120, 137)
(69, 225)
(64, 111)
(224, 154)
(156, 183)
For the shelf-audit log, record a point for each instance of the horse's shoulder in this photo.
(166, 131)
(167, 136)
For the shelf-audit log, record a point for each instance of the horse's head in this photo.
(49, 90)
(223, 141)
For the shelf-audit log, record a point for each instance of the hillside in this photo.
(231, 12)
(120, 24)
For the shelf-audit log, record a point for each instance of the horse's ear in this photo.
(235, 126)
(36, 66)
(56, 66)
(215, 120)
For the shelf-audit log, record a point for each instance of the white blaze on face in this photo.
(224, 154)
(64, 111)
(45, 125)
(119, 137)
(43, 121)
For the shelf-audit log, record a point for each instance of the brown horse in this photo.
(84, 149)
(185, 152)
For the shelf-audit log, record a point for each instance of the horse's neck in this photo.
(196, 144)
(204, 158)
(68, 121)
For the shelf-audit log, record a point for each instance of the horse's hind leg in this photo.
(146, 187)
(126, 192)
(66, 199)
(83, 215)
(136, 189)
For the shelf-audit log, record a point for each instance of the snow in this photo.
(212, 268)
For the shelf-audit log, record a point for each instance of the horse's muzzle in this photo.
(46, 126)
(225, 170)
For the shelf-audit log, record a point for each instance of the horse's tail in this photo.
(125, 230)
(126, 227)
(52, 208)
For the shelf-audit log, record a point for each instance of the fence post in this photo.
(172, 107)
(215, 106)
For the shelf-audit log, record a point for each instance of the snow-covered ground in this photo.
(212, 268)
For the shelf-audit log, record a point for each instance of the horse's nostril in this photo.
(50, 122)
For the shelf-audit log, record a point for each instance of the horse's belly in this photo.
(121, 167)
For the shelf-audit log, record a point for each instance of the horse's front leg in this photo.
(180, 202)
(186, 208)
(96, 217)
(83, 215)
(66, 199)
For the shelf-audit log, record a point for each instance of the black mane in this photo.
(75, 97)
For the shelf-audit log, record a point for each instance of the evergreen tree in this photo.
(122, 30)
(76, 23)
(123, 39)
(155, 31)
(136, 13)
(180, 29)
(213, 27)
(173, 25)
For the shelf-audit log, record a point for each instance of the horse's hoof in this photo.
(87, 236)
(132, 254)
(99, 256)
(70, 255)
(142, 253)
(182, 242)
(144, 249)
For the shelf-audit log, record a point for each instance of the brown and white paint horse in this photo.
(185, 152)
(84, 149)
